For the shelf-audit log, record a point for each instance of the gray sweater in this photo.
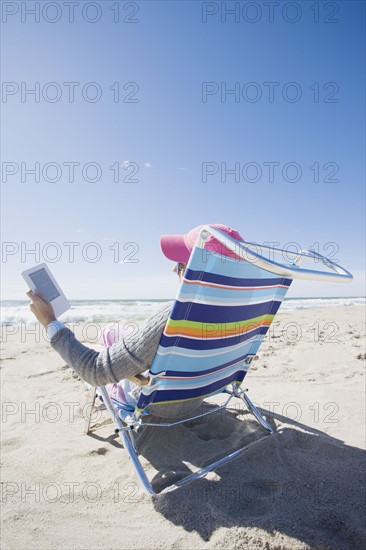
(127, 357)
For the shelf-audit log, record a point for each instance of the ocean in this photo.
(105, 311)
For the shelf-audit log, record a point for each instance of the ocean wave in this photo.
(291, 304)
(108, 311)
(85, 311)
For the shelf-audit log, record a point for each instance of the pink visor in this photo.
(178, 248)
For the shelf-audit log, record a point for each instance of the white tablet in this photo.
(41, 278)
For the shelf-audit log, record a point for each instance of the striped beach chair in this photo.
(222, 312)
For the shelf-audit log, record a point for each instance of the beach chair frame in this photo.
(128, 422)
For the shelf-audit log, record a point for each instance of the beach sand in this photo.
(302, 487)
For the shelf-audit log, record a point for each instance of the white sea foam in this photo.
(105, 311)
(292, 304)
(85, 311)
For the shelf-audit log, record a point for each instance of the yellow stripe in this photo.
(196, 325)
(221, 329)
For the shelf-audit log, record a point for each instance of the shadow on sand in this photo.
(299, 481)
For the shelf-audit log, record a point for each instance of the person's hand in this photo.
(41, 308)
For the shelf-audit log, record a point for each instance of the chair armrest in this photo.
(245, 250)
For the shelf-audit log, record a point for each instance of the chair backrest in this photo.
(221, 314)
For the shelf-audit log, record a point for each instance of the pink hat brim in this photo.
(174, 248)
(178, 248)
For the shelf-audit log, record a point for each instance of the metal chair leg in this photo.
(90, 413)
(253, 409)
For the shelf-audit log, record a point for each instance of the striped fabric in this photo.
(222, 312)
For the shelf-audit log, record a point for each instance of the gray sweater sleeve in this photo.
(127, 357)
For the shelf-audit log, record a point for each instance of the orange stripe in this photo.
(184, 331)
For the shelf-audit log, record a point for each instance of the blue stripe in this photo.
(208, 371)
(233, 281)
(174, 362)
(201, 260)
(205, 313)
(173, 395)
(226, 296)
(184, 384)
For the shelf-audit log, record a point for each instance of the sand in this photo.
(303, 487)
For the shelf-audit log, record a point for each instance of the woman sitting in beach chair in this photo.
(123, 358)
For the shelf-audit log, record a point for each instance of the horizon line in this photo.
(165, 299)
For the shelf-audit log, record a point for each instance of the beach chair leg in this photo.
(90, 412)
(253, 409)
(128, 440)
(133, 442)
(128, 443)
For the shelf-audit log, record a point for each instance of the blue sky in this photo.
(170, 132)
